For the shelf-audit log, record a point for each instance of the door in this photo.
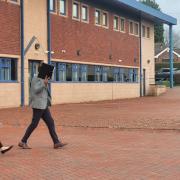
(144, 82)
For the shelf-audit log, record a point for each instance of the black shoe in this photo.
(5, 149)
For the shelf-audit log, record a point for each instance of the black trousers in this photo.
(46, 116)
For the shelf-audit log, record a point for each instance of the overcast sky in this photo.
(171, 7)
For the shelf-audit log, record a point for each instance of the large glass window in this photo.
(75, 72)
(110, 74)
(84, 13)
(68, 72)
(98, 73)
(76, 10)
(91, 73)
(135, 75)
(105, 74)
(52, 5)
(121, 75)
(116, 74)
(116, 23)
(130, 75)
(61, 72)
(98, 17)
(126, 75)
(8, 69)
(83, 75)
(62, 7)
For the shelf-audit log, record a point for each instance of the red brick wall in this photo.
(95, 43)
(9, 28)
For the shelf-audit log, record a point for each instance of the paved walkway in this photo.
(161, 112)
(108, 154)
(131, 151)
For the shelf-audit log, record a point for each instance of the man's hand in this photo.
(46, 80)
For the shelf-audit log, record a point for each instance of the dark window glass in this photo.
(68, 72)
(91, 73)
(110, 74)
(8, 69)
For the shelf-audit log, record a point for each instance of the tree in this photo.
(158, 28)
(176, 39)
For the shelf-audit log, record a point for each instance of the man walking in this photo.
(4, 149)
(40, 100)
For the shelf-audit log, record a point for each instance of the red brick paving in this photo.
(149, 112)
(109, 154)
(98, 153)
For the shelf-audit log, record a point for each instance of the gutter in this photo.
(22, 51)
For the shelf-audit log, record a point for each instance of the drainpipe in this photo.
(22, 52)
(171, 55)
(140, 54)
(49, 35)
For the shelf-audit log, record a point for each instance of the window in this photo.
(135, 75)
(116, 74)
(126, 75)
(104, 74)
(148, 32)
(121, 75)
(83, 75)
(52, 5)
(122, 28)
(110, 74)
(84, 13)
(130, 75)
(62, 7)
(75, 72)
(98, 74)
(116, 23)
(91, 73)
(98, 17)
(68, 72)
(61, 72)
(76, 10)
(105, 19)
(136, 29)
(54, 75)
(8, 69)
(143, 31)
(131, 28)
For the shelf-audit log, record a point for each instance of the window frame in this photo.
(136, 23)
(99, 17)
(55, 8)
(143, 31)
(131, 33)
(78, 8)
(66, 8)
(123, 31)
(107, 15)
(9, 66)
(148, 32)
(118, 23)
(87, 7)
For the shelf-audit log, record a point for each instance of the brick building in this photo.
(101, 49)
(163, 56)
